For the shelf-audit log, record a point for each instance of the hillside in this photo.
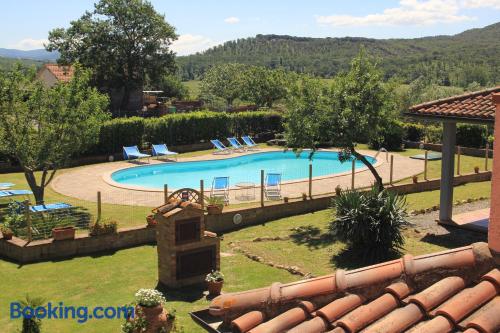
(449, 60)
(38, 54)
(7, 63)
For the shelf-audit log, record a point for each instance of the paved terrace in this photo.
(84, 182)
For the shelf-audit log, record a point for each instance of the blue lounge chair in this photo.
(13, 193)
(130, 153)
(220, 189)
(249, 143)
(220, 148)
(236, 145)
(272, 186)
(49, 207)
(162, 150)
(4, 186)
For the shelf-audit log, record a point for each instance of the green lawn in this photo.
(111, 279)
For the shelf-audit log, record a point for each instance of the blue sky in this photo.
(204, 23)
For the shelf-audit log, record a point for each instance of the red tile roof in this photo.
(62, 73)
(473, 106)
(451, 291)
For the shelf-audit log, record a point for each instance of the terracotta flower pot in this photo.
(7, 235)
(214, 209)
(63, 233)
(476, 169)
(415, 179)
(215, 287)
(285, 199)
(156, 317)
(150, 219)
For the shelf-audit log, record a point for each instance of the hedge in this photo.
(183, 128)
(472, 135)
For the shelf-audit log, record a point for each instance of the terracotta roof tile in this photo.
(476, 105)
(62, 73)
(450, 291)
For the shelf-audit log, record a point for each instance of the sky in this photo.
(202, 24)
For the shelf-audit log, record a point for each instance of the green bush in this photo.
(371, 223)
(183, 128)
(390, 137)
(414, 132)
(474, 136)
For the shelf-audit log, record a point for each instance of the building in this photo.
(50, 74)
(452, 291)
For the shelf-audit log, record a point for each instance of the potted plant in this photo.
(150, 311)
(338, 190)
(304, 196)
(214, 205)
(214, 280)
(7, 232)
(285, 199)
(103, 228)
(63, 233)
(150, 219)
(476, 169)
(415, 179)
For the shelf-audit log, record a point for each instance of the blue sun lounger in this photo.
(250, 144)
(132, 152)
(220, 148)
(162, 150)
(220, 188)
(236, 144)
(4, 186)
(13, 193)
(49, 207)
(272, 186)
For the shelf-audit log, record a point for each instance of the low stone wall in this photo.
(476, 152)
(21, 251)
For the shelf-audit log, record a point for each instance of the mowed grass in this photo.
(112, 279)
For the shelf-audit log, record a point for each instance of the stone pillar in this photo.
(447, 171)
(494, 224)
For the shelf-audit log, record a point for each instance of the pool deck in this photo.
(84, 182)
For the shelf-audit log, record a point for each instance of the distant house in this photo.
(50, 74)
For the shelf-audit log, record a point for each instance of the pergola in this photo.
(474, 108)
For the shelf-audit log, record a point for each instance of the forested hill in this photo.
(471, 56)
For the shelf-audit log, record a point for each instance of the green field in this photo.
(194, 88)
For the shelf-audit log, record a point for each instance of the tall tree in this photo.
(123, 42)
(351, 110)
(225, 81)
(265, 86)
(44, 127)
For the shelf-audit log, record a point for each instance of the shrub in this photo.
(149, 298)
(472, 135)
(433, 134)
(103, 228)
(371, 223)
(414, 132)
(120, 132)
(390, 137)
(31, 324)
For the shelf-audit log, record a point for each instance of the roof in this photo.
(62, 73)
(476, 106)
(452, 291)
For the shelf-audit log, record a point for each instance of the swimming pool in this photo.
(245, 168)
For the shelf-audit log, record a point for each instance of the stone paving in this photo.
(84, 182)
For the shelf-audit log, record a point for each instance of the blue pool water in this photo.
(239, 169)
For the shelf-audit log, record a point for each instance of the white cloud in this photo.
(481, 3)
(189, 44)
(409, 12)
(232, 20)
(29, 44)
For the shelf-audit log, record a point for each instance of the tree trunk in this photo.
(38, 190)
(362, 158)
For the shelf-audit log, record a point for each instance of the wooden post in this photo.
(28, 220)
(459, 152)
(99, 206)
(353, 172)
(426, 163)
(202, 193)
(486, 156)
(165, 193)
(392, 170)
(310, 180)
(262, 188)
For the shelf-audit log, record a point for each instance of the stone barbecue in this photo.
(186, 251)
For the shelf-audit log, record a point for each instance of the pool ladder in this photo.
(384, 151)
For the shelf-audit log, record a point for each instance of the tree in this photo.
(44, 127)
(350, 111)
(171, 87)
(225, 81)
(123, 42)
(31, 324)
(265, 86)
